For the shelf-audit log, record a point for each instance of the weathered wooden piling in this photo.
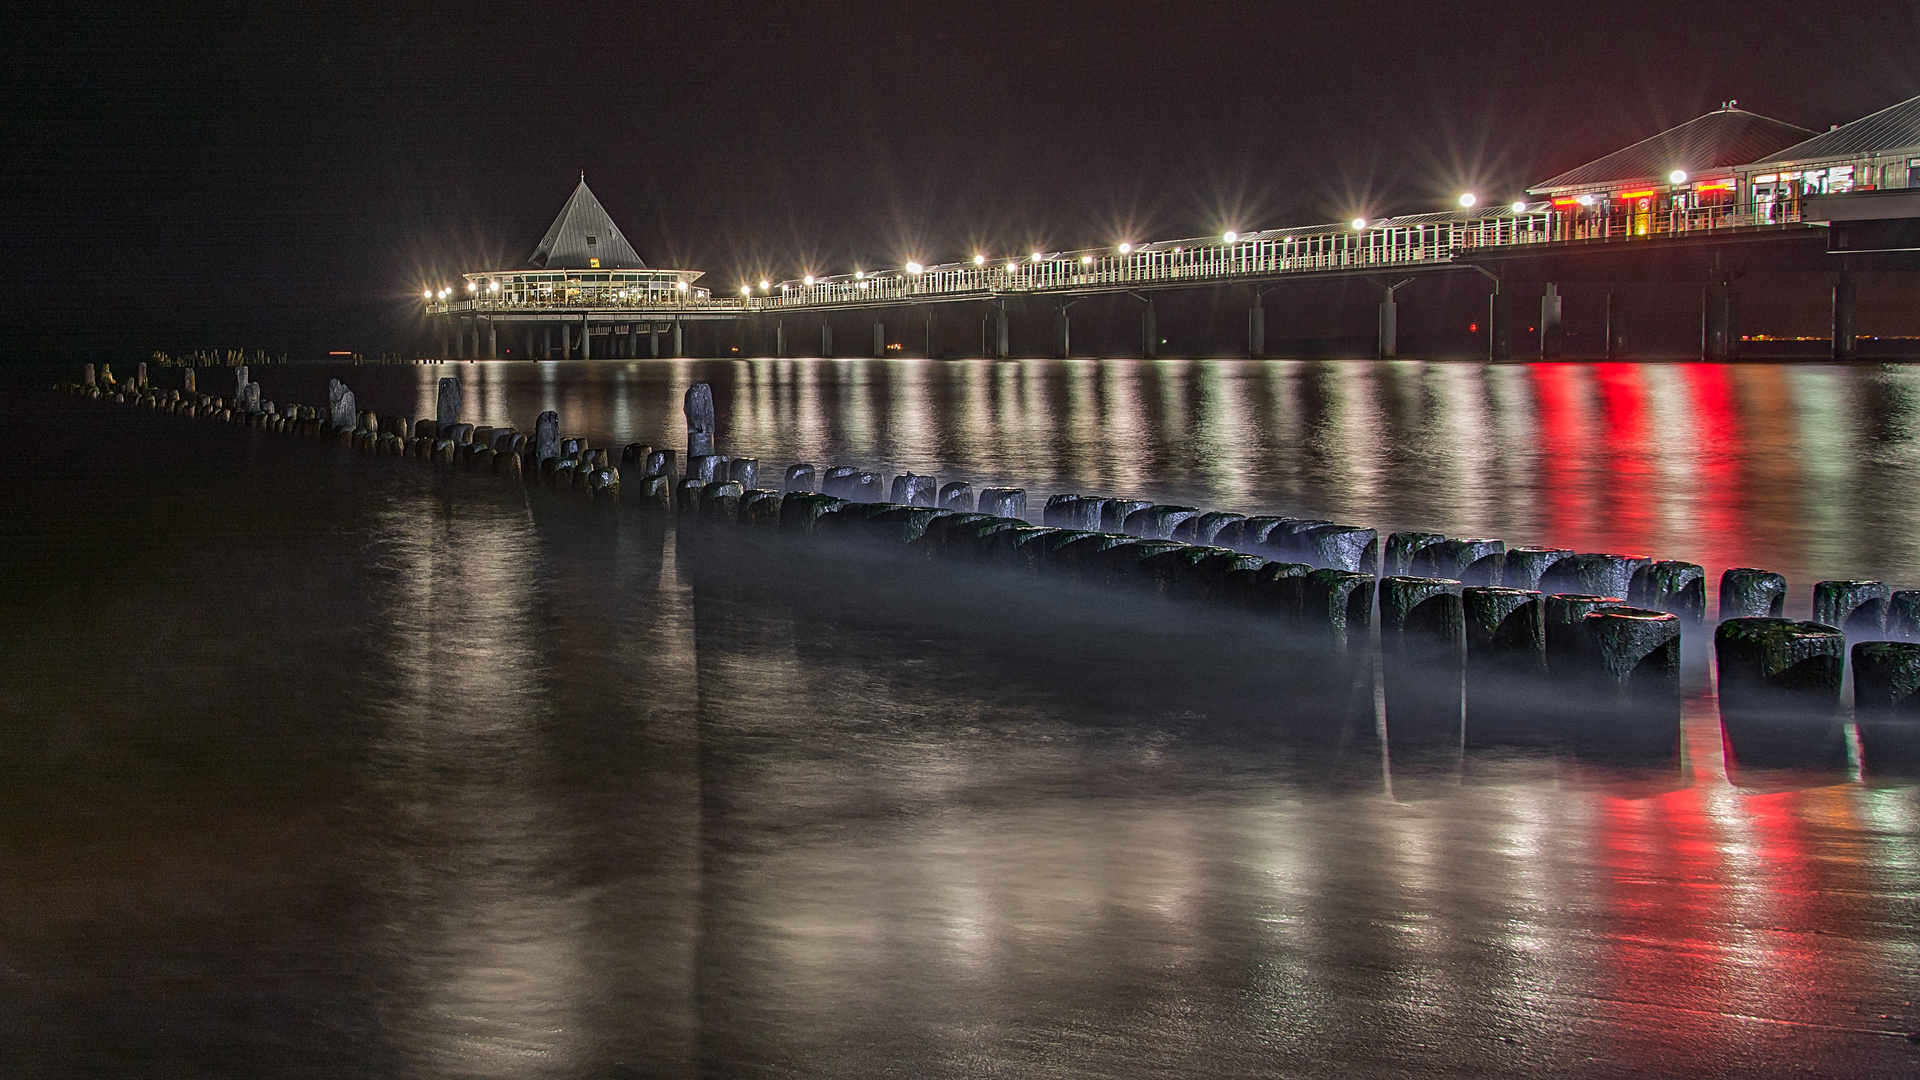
(655, 493)
(1677, 587)
(1470, 562)
(603, 484)
(912, 489)
(447, 404)
(1072, 512)
(1423, 656)
(1340, 547)
(1903, 615)
(663, 463)
(1273, 590)
(1593, 573)
(1524, 566)
(1779, 685)
(686, 496)
(698, 407)
(743, 471)
(759, 508)
(801, 510)
(1003, 502)
(1857, 607)
(546, 436)
(1886, 706)
(1157, 522)
(1114, 513)
(340, 409)
(1748, 593)
(1506, 646)
(904, 524)
(1207, 528)
(706, 468)
(1633, 670)
(720, 501)
(799, 478)
(1566, 618)
(957, 495)
(838, 480)
(1337, 607)
(1401, 547)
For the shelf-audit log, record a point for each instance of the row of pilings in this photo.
(1479, 644)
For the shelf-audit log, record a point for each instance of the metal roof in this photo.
(582, 233)
(1896, 127)
(1718, 140)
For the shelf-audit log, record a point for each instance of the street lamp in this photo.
(914, 268)
(979, 260)
(1468, 198)
(1125, 248)
(1231, 236)
(1359, 223)
(1520, 207)
(1677, 177)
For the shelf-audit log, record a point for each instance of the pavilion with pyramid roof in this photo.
(584, 281)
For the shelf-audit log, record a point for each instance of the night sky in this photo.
(263, 178)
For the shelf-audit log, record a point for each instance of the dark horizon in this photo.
(287, 181)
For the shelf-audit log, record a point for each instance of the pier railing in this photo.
(1413, 242)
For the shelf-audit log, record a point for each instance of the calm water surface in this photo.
(324, 765)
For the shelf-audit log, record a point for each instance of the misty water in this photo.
(325, 764)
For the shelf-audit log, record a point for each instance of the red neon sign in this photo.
(1647, 194)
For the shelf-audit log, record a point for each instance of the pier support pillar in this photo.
(653, 339)
(546, 348)
(586, 340)
(1612, 329)
(1846, 339)
(633, 340)
(1149, 327)
(993, 333)
(929, 340)
(780, 337)
(493, 341)
(1389, 324)
(879, 340)
(1257, 326)
(1063, 333)
(1715, 320)
(1550, 322)
(1496, 323)
(679, 340)
(826, 338)
(443, 338)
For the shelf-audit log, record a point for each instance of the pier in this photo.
(1703, 203)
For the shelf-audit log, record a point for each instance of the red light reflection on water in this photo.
(1667, 936)
(1722, 907)
(1628, 476)
(1562, 437)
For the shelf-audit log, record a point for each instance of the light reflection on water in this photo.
(597, 799)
